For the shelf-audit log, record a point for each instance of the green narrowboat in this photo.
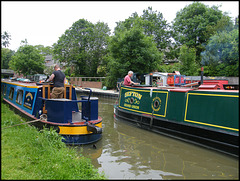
(205, 117)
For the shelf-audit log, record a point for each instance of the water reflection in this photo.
(129, 152)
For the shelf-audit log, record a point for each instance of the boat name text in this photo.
(134, 94)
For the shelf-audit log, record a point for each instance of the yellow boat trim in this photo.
(144, 112)
(143, 90)
(207, 124)
(76, 130)
(21, 85)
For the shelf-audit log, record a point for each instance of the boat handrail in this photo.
(49, 86)
(65, 99)
(89, 93)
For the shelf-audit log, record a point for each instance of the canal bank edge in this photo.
(98, 92)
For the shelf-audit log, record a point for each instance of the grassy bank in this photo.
(29, 154)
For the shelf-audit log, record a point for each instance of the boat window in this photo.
(11, 93)
(19, 98)
(2, 88)
(5, 90)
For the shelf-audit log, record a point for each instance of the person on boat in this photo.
(58, 78)
(127, 79)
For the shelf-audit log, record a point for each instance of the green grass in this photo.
(29, 154)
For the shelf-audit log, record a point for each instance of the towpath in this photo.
(95, 91)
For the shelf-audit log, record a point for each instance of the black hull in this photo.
(216, 140)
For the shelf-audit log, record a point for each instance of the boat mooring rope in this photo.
(22, 123)
(42, 117)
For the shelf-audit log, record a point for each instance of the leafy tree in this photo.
(6, 55)
(191, 24)
(222, 54)
(224, 24)
(27, 60)
(154, 25)
(49, 70)
(131, 50)
(5, 38)
(170, 67)
(188, 61)
(45, 50)
(83, 45)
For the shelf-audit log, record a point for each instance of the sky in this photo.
(43, 22)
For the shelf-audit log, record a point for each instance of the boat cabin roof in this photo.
(20, 83)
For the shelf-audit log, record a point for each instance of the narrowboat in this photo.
(33, 101)
(202, 116)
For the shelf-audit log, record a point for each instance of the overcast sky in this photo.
(43, 22)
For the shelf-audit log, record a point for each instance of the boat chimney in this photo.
(202, 75)
(151, 78)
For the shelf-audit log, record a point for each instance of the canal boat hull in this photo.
(33, 102)
(204, 117)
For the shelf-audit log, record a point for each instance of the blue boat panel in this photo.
(59, 110)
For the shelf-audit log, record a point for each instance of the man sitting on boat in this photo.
(127, 79)
(58, 78)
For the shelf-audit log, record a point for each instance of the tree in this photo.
(191, 24)
(6, 55)
(224, 24)
(27, 60)
(45, 50)
(188, 61)
(5, 37)
(82, 45)
(153, 25)
(131, 50)
(222, 54)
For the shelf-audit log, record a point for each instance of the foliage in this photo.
(5, 38)
(222, 54)
(49, 70)
(83, 46)
(188, 61)
(45, 50)
(27, 60)
(153, 25)
(191, 24)
(28, 154)
(170, 68)
(131, 50)
(224, 24)
(6, 55)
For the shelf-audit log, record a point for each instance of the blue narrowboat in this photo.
(33, 101)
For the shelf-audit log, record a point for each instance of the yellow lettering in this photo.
(134, 94)
(135, 107)
(127, 105)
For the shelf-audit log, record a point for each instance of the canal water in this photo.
(129, 152)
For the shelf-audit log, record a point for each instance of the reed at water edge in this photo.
(29, 154)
